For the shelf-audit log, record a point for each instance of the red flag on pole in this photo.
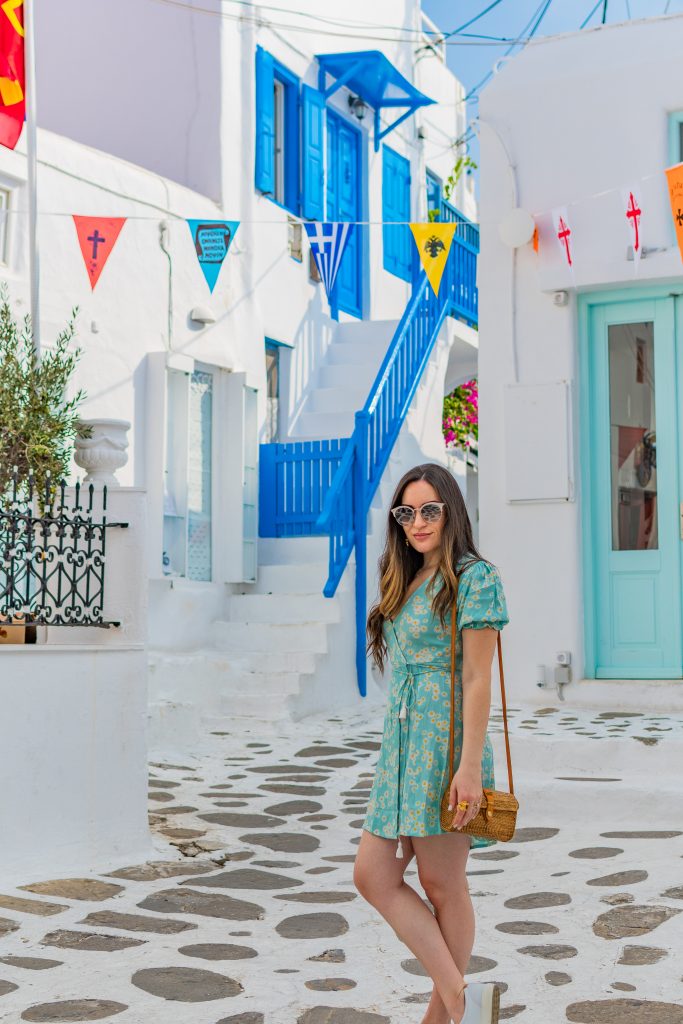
(97, 237)
(12, 81)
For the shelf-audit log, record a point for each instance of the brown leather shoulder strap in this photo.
(454, 617)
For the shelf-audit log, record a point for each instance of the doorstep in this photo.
(621, 694)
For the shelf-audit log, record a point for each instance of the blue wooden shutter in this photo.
(265, 122)
(396, 207)
(313, 177)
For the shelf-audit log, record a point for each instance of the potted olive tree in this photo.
(38, 425)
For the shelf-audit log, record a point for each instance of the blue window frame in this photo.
(434, 186)
(396, 240)
(676, 137)
(277, 131)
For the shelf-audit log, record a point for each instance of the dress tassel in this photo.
(399, 848)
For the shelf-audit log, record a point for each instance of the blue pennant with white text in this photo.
(212, 240)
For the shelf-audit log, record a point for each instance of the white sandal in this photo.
(482, 1003)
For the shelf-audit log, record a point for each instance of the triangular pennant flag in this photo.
(433, 243)
(97, 237)
(328, 240)
(212, 239)
(563, 233)
(630, 198)
(12, 74)
(674, 177)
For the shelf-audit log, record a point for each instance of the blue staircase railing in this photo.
(343, 499)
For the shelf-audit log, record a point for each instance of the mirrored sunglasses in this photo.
(431, 512)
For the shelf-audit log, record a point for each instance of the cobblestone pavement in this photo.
(249, 914)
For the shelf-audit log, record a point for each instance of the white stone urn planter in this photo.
(104, 451)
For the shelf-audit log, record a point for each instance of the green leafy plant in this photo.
(461, 417)
(38, 422)
(462, 164)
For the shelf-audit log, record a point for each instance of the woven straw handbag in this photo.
(497, 814)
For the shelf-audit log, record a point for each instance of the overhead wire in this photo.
(315, 29)
(539, 15)
(588, 18)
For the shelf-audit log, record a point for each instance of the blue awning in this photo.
(372, 76)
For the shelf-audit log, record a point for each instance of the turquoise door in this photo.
(344, 202)
(631, 442)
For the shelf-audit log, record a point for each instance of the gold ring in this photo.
(463, 804)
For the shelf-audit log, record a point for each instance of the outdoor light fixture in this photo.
(203, 315)
(517, 228)
(357, 105)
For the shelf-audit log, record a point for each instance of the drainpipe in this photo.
(164, 244)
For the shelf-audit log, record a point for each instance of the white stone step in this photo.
(336, 399)
(177, 669)
(324, 424)
(260, 684)
(346, 375)
(249, 636)
(360, 353)
(267, 662)
(353, 330)
(590, 802)
(272, 711)
(283, 608)
(293, 551)
(299, 578)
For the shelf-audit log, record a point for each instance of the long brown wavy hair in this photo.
(399, 561)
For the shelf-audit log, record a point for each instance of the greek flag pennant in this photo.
(212, 239)
(433, 243)
(328, 241)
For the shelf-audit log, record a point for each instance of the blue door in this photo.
(630, 444)
(344, 202)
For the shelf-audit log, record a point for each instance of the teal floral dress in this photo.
(412, 770)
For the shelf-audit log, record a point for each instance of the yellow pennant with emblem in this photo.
(433, 243)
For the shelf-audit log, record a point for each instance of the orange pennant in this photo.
(674, 177)
(97, 237)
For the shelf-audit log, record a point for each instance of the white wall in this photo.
(138, 80)
(570, 117)
(73, 729)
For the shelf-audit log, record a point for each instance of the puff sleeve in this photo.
(481, 598)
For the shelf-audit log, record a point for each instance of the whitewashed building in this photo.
(580, 368)
(269, 118)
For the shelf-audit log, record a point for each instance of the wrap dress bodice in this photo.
(412, 769)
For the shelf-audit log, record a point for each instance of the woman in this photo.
(429, 541)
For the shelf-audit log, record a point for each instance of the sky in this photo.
(470, 63)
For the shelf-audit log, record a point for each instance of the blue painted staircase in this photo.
(325, 487)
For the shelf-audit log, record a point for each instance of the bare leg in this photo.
(441, 863)
(378, 877)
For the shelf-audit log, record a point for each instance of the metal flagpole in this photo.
(30, 85)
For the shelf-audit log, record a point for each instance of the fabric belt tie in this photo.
(405, 698)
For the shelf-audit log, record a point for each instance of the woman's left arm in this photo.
(477, 654)
(478, 646)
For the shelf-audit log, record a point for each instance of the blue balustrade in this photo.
(326, 487)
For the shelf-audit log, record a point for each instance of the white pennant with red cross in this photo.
(564, 234)
(633, 212)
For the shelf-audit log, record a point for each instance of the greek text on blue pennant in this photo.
(212, 240)
(328, 241)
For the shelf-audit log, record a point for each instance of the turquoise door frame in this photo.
(345, 201)
(632, 598)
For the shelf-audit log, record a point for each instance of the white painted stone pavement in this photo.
(309, 949)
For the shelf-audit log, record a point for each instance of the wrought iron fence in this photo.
(52, 554)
